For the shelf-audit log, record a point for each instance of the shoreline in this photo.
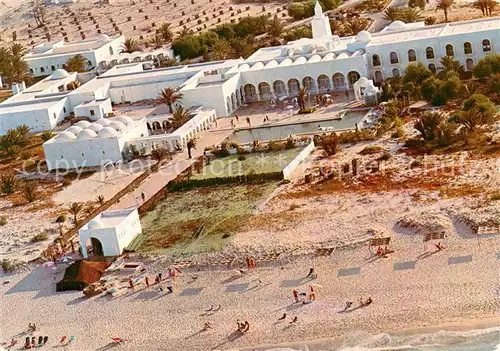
(483, 323)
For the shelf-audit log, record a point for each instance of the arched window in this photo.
(89, 63)
(42, 69)
(395, 72)
(324, 82)
(376, 60)
(353, 77)
(31, 70)
(378, 77)
(432, 68)
(308, 83)
(486, 45)
(412, 55)
(469, 64)
(53, 68)
(394, 57)
(467, 48)
(111, 52)
(429, 53)
(449, 50)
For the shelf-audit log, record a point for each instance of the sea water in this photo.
(444, 340)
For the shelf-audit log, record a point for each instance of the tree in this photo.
(242, 47)
(221, 50)
(487, 66)
(180, 115)
(490, 6)
(418, 3)
(170, 97)
(428, 125)
(129, 46)
(101, 200)
(477, 110)
(301, 98)
(39, 12)
(15, 139)
(47, 135)
(30, 191)
(356, 25)
(392, 14)
(410, 15)
(76, 63)
(60, 220)
(75, 209)
(449, 64)
(157, 41)
(480, 5)
(331, 144)
(8, 184)
(160, 154)
(166, 32)
(191, 144)
(17, 50)
(184, 32)
(470, 88)
(444, 5)
(12, 64)
(417, 73)
(275, 28)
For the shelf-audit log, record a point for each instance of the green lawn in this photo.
(196, 221)
(265, 162)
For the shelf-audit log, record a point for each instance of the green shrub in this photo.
(9, 266)
(294, 206)
(3, 220)
(371, 149)
(9, 184)
(385, 157)
(66, 182)
(39, 237)
(274, 145)
(241, 158)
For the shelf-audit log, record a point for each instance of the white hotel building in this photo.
(321, 64)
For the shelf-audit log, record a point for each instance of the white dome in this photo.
(96, 127)
(96, 223)
(258, 65)
(65, 136)
(59, 74)
(300, 60)
(272, 64)
(314, 58)
(328, 57)
(117, 125)
(397, 25)
(74, 129)
(87, 134)
(244, 67)
(82, 124)
(103, 122)
(286, 62)
(107, 132)
(364, 36)
(125, 120)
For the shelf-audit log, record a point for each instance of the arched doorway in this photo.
(353, 77)
(156, 125)
(308, 83)
(94, 247)
(279, 88)
(324, 83)
(378, 77)
(165, 125)
(293, 86)
(250, 92)
(264, 90)
(339, 81)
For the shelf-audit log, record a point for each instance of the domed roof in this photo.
(397, 25)
(74, 129)
(314, 58)
(286, 62)
(66, 136)
(300, 60)
(59, 74)
(244, 67)
(329, 56)
(96, 127)
(107, 132)
(87, 134)
(258, 65)
(271, 64)
(103, 121)
(117, 125)
(82, 124)
(364, 36)
(125, 120)
(96, 223)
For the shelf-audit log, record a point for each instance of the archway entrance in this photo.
(94, 247)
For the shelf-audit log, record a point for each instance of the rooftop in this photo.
(108, 219)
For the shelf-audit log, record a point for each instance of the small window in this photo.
(53, 68)
(394, 57)
(92, 112)
(89, 63)
(467, 48)
(429, 53)
(449, 50)
(376, 60)
(432, 68)
(64, 109)
(486, 45)
(103, 152)
(83, 155)
(412, 55)
(42, 69)
(31, 70)
(395, 72)
(55, 115)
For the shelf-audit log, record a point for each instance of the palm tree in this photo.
(392, 14)
(17, 50)
(47, 135)
(169, 96)
(167, 62)
(221, 50)
(410, 15)
(444, 5)
(60, 220)
(449, 64)
(274, 28)
(180, 116)
(481, 5)
(8, 184)
(191, 144)
(471, 88)
(490, 6)
(184, 32)
(30, 191)
(166, 33)
(74, 209)
(101, 200)
(301, 98)
(157, 41)
(129, 46)
(160, 154)
(76, 63)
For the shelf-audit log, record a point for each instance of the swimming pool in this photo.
(282, 131)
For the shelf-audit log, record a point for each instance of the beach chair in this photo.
(117, 340)
(63, 340)
(71, 339)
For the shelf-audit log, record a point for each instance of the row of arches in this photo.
(129, 59)
(430, 54)
(322, 83)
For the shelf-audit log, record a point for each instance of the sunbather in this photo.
(63, 340)
(440, 246)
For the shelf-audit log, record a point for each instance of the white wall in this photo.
(107, 237)
(37, 119)
(128, 229)
(100, 108)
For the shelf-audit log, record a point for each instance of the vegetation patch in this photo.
(39, 237)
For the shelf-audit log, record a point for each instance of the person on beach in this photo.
(207, 325)
(232, 124)
(347, 94)
(159, 275)
(130, 283)
(146, 279)
(248, 122)
(240, 325)
(348, 305)
(440, 246)
(294, 320)
(312, 274)
(246, 327)
(143, 196)
(237, 118)
(282, 317)
(295, 295)
(157, 279)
